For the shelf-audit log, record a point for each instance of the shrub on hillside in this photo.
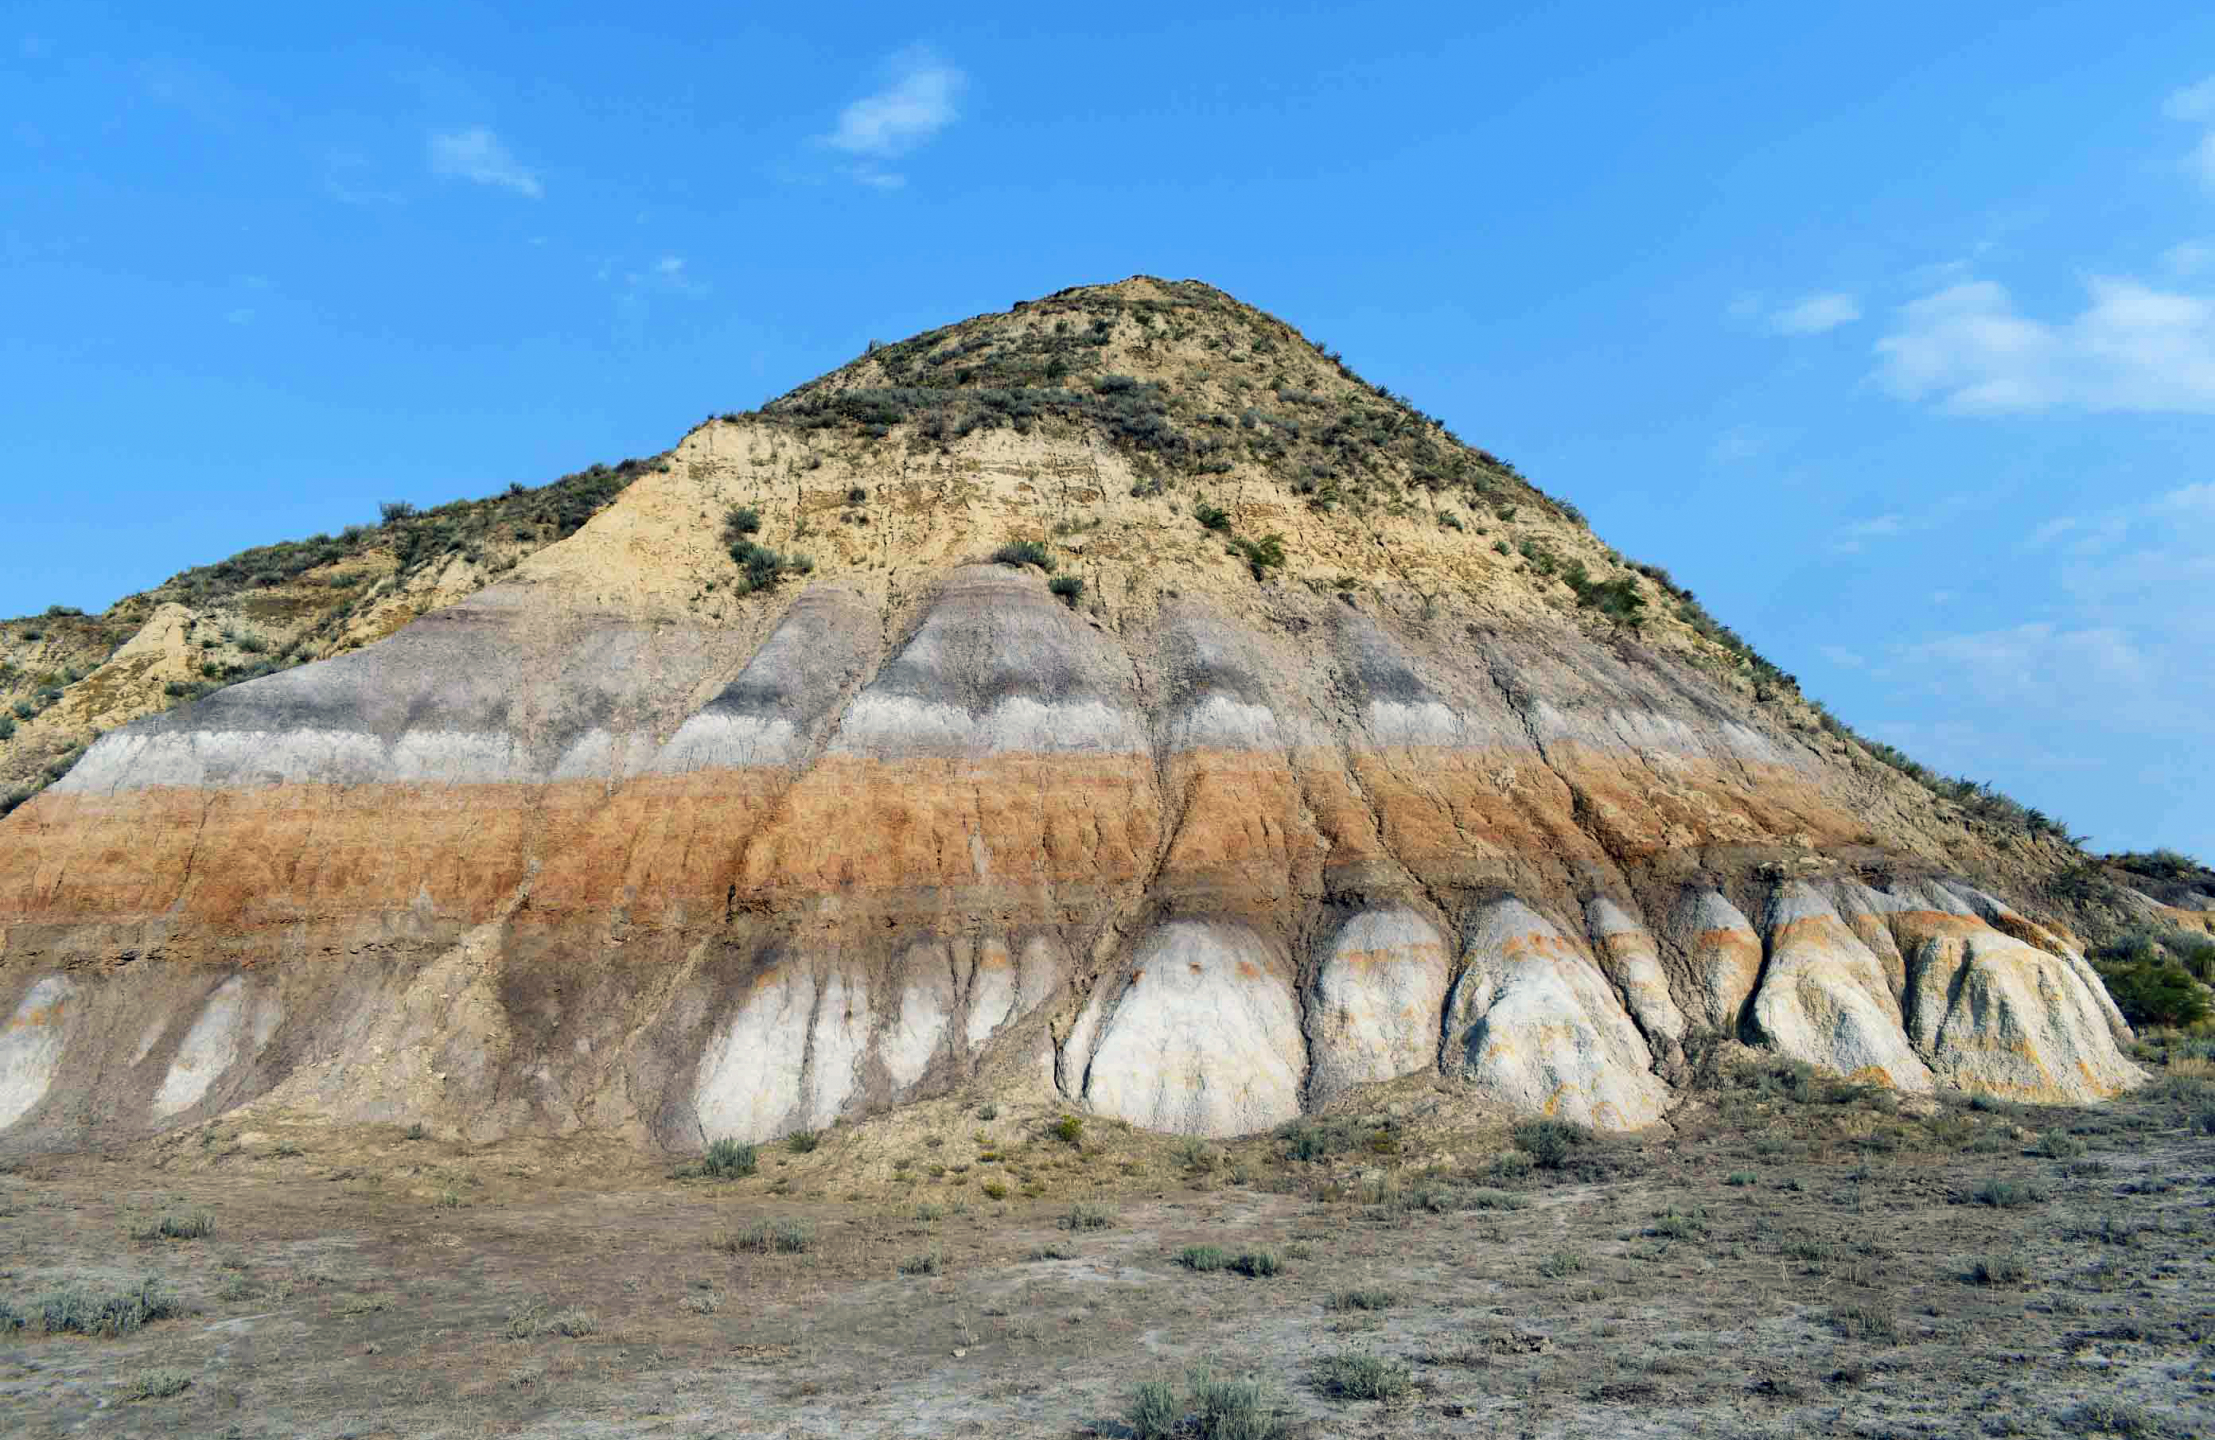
(1023, 552)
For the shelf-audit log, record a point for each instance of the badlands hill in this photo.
(1292, 745)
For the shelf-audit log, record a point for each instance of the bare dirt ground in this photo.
(1790, 1257)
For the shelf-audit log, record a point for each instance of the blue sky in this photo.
(1891, 331)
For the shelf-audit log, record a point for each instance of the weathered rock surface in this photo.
(614, 845)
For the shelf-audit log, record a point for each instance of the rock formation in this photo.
(1352, 757)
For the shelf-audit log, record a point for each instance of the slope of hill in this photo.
(1114, 698)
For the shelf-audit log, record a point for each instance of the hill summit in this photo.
(1114, 700)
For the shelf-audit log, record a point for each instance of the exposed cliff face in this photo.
(620, 843)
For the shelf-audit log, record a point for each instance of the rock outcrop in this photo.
(633, 841)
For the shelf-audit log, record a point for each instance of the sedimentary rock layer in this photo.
(610, 847)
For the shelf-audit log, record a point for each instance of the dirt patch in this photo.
(1771, 1266)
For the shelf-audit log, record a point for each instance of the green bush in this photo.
(1210, 1409)
(1261, 556)
(2156, 994)
(158, 1385)
(727, 1159)
(1361, 1376)
(1204, 1258)
(741, 520)
(2007, 1194)
(1024, 552)
(1213, 517)
(1069, 1130)
(1362, 1299)
(74, 1309)
(930, 1262)
(1258, 1264)
(1548, 1142)
(1068, 587)
(802, 1142)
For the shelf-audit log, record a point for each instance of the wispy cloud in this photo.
(2195, 105)
(347, 179)
(2132, 347)
(919, 100)
(1855, 536)
(1815, 314)
(477, 155)
(2189, 258)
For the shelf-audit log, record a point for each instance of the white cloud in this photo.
(2132, 348)
(2193, 102)
(2189, 258)
(2035, 661)
(918, 102)
(2049, 532)
(1840, 656)
(1815, 314)
(1855, 536)
(477, 155)
(670, 265)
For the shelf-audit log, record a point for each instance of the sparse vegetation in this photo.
(802, 1142)
(157, 1385)
(1069, 1130)
(768, 1237)
(1358, 1375)
(192, 1225)
(1067, 587)
(1088, 1217)
(1211, 1408)
(1362, 1298)
(930, 1262)
(79, 1309)
(1019, 553)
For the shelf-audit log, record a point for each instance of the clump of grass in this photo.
(417, 1131)
(1866, 1322)
(1739, 1179)
(705, 1302)
(727, 1159)
(767, 1237)
(1258, 1264)
(2007, 1194)
(1561, 1264)
(2112, 1417)
(2058, 1145)
(988, 1111)
(1209, 1409)
(1087, 1216)
(1067, 588)
(994, 1190)
(73, 1309)
(930, 1262)
(1369, 1298)
(1024, 552)
(1069, 1130)
(1055, 1251)
(1204, 1258)
(1675, 1224)
(1361, 1376)
(802, 1142)
(929, 1212)
(158, 1385)
(1495, 1200)
(1998, 1270)
(536, 1317)
(196, 1225)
